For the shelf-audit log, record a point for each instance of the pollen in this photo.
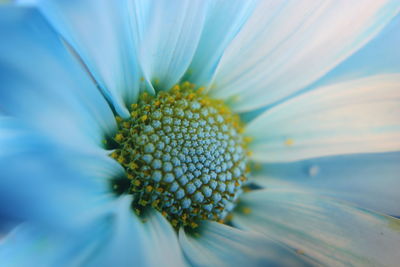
(289, 142)
(184, 155)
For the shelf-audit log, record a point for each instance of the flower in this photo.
(80, 77)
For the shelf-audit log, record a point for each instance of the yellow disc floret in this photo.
(183, 154)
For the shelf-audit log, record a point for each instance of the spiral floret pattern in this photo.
(184, 155)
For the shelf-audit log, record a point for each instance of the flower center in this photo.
(183, 154)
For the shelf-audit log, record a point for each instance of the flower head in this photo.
(198, 133)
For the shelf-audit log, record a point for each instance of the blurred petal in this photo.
(99, 31)
(168, 33)
(29, 244)
(43, 85)
(152, 242)
(359, 116)
(161, 239)
(62, 188)
(117, 239)
(224, 20)
(274, 56)
(222, 245)
(124, 245)
(369, 180)
(51, 247)
(329, 232)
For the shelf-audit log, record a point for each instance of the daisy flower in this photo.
(199, 133)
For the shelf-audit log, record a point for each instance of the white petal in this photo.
(162, 240)
(286, 46)
(330, 232)
(167, 32)
(223, 22)
(359, 116)
(369, 180)
(222, 245)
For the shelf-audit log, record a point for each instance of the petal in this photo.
(168, 33)
(369, 180)
(117, 239)
(123, 246)
(379, 56)
(223, 22)
(135, 243)
(42, 84)
(222, 245)
(359, 116)
(330, 232)
(161, 239)
(51, 247)
(274, 56)
(62, 187)
(99, 31)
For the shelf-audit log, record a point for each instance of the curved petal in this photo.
(274, 56)
(223, 22)
(162, 240)
(43, 85)
(359, 116)
(222, 245)
(45, 247)
(119, 238)
(99, 32)
(379, 56)
(123, 246)
(51, 247)
(151, 242)
(328, 231)
(369, 180)
(62, 187)
(168, 33)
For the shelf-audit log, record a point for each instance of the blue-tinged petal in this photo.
(369, 180)
(379, 56)
(223, 21)
(286, 46)
(119, 238)
(359, 116)
(133, 242)
(86, 246)
(100, 33)
(333, 233)
(168, 33)
(32, 243)
(62, 187)
(124, 244)
(42, 84)
(161, 239)
(221, 245)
